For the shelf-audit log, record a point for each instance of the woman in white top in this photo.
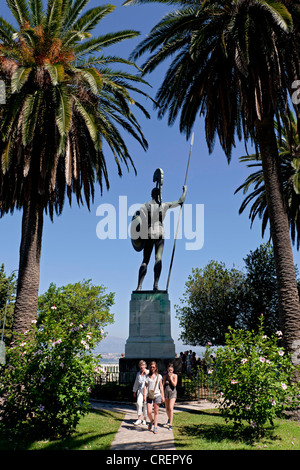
(154, 383)
(138, 392)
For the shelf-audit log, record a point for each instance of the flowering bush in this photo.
(50, 369)
(254, 376)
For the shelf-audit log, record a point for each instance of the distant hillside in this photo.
(114, 344)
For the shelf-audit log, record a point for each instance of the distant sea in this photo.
(112, 347)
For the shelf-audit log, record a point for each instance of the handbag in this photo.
(151, 392)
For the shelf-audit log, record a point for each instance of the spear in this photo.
(175, 240)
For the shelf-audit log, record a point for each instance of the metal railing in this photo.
(197, 387)
(114, 386)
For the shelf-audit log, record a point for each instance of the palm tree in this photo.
(289, 161)
(64, 100)
(231, 61)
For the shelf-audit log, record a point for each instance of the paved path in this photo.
(137, 437)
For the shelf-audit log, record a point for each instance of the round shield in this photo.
(139, 229)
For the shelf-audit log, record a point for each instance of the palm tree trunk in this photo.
(29, 267)
(289, 305)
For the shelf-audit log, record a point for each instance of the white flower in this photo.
(273, 402)
(284, 386)
(262, 359)
(281, 353)
(279, 333)
(244, 360)
(53, 307)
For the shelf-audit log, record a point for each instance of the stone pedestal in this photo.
(149, 326)
(149, 335)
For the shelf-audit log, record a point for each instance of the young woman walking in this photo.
(169, 385)
(138, 392)
(155, 395)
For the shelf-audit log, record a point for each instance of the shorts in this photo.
(156, 400)
(170, 394)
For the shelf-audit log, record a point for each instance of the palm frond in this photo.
(6, 32)
(88, 119)
(30, 116)
(19, 10)
(64, 110)
(53, 20)
(279, 12)
(19, 78)
(91, 76)
(56, 73)
(87, 22)
(73, 10)
(37, 12)
(97, 44)
(169, 2)
(5, 157)
(289, 169)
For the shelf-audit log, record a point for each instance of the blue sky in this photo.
(71, 250)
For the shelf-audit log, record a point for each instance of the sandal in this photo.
(150, 425)
(155, 431)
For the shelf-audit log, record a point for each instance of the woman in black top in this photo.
(169, 384)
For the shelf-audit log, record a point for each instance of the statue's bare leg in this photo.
(159, 248)
(143, 268)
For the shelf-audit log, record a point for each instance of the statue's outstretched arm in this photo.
(180, 201)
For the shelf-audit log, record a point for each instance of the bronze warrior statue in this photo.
(147, 228)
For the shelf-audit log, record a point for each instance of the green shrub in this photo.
(254, 377)
(51, 368)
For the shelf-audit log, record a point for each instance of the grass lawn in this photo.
(207, 430)
(197, 430)
(95, 431)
